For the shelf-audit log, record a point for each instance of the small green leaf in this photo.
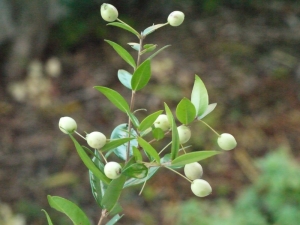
(158, 133)
(123, 53)
(136, 170)
(113, 193)
(134, 181)
(157, 52)
(208, 110)
(88, 162)
(48, 217)
(137, 154)
(153, 28)
(149, 120)
(71, 210)
(193, 157)
(114, 97)
(114, 143)
(148, 48)
(135, 46)
(125, 78)
(149, 149)
(185, 111)
(133, 119)
(141, 76)
(114, 220)
(125, 27)
(199, 96)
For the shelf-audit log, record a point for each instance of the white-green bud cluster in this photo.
(226, 141)
(176, 18)
(96, 139)
(67, 125)
(112, 170)
(108, 12)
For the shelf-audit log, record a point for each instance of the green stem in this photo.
(210, 127)
(80, 135)
(178, 174)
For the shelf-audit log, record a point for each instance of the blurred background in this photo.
(245, 51)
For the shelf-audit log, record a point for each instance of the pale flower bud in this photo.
(108, 12)
(67, 125)
(112, 170)
(201, 188)
(184, 134)
(176, 18)
(226, 141)
(96, 139)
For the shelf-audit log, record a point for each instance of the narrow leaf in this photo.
(125, 78)
(71, 210)
(135, 46)
(208, 110)
(114, 97)
(88, 162)
(133, 119)
(149, 149)
(152, 28)
(113, 193)
(193, 157)
(148, 48)
(199, 96)
(114, 220)
(134, 181)
(158, 133)
(137, 154)
(114, 143)
(48, 217)
(185, 111)
(149, 120)
(141, 76)
(157, 52)
(125, 27)
(136, 170)
(123, 53)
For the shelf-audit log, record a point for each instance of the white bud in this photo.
(226, 141)
(176, 18)
(67, 125)
(108, 12)
(193, 170)
(201, 188)
(96, 139)
(112, 170)
(184, 134)
(162, 122)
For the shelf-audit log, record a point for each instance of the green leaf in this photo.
(117, 209)
(97, 186)
(113, 193)
(149, 149)
(123, 53)
(115, 219)
(125, 27)
(136, 170)
(88, 162)
(158, 133)
(149, 120)
(175, 136)
(134, 181)
(193, 157)
(114, 97)
(157, 52)
(48, 217)
(199, 96)
(125, 78)
(71, 210)
(185, 111)
(141, 76)
(152, 28)
(137, 154)
(148, 48)
(167, 160)
(114, 143)
(133, 119)
(208, 110)
(135, 46)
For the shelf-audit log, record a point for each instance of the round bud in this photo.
(112, 170)
(96, 139)
(67, 125)
(175, 18)
(108, 12)
(201, 188)
(184, 134)
(162, 122)
(193, 170)
(226, 141)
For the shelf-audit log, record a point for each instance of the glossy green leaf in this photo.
(175, 136)
(137, 154)
(149, 120)
(199, 96)
(114, 220)
(116, 210)
(136, 170)
(149, 149)
(134, 181)
(125, 27)
(148, 48)
(135, 46)
(208, 110)
(133, 119)
(125, 78)
(113, 192)
(76, 215)
(114, 97)
(157, 52)
(123, 53)
(141, 76)
(152, 28)
(88, 162)
(97, 186)
(193, 157)
(185, 111)
(114, 143)
(158, 133)
(48, 217)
